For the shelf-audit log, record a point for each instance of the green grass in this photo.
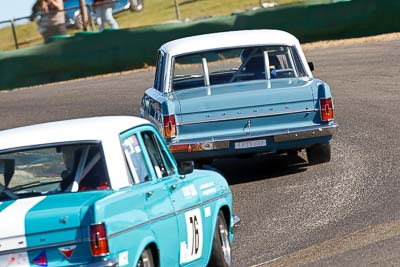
(155, 12)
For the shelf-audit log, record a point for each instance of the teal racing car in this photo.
(106, 191)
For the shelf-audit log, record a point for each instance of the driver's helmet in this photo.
(70, 155)
(256, 61)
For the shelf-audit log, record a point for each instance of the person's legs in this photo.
(109, 17)
(98, 10)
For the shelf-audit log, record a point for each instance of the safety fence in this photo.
(91, 53)
(74, 19)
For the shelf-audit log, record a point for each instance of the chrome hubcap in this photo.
(226, 246)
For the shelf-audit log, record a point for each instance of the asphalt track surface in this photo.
(343, 213)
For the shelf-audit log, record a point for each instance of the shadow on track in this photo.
(239, 170)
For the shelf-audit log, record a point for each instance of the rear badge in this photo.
(67, 251)
(40, 259)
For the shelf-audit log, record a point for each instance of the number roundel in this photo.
(193, 248)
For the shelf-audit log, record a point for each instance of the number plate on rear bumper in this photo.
(250, 144)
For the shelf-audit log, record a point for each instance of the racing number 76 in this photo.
(195, 229)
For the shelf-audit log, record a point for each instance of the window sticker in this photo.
(192, 248)
(135, 159)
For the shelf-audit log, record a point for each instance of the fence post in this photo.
(178, 14)
(14, 34)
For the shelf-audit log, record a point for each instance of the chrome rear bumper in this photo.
(305, 133)
(197, 145)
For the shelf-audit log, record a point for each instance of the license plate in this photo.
(250, 144)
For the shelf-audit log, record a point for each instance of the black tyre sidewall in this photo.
(217, 258)
(320, 153)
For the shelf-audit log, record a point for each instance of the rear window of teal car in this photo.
(52, 170)
(236, 65)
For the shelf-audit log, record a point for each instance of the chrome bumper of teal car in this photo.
(105, 263)
(236, 220)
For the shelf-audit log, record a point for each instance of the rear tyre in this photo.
(78, 21)
(146, 259)
(136, 5)
(320, 153)
(221, 255)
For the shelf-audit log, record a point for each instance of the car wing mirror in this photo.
(7, 168)
(311, 65)
(186, 167)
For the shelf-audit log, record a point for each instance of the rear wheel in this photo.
(146, 259)
(319, 153)
(221, 255)
(78, 21)
(136, 5)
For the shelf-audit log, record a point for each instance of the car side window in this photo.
(158, 82)
(297, 62)
(135, 159)
(160, 161)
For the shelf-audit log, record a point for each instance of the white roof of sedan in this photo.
(228, 40)
(96, 128)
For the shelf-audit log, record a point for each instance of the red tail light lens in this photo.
(326, 109)
(180, 148)
(169, 126)
(98, 239)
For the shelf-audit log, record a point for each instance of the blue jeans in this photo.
(104, 14)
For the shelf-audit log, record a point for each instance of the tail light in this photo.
(326, 109)
(98, 239)
(169, 126)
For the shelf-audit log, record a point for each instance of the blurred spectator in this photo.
(53, 14)
(104, 13)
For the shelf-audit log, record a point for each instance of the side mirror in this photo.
(186, 167)
(7, 167)
(311, 65)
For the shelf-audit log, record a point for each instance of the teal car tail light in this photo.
(326, 109)
(98, 240)
(169, 126)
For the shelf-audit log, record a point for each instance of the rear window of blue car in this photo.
(236, 65)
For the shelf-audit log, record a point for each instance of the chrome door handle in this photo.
(149, 194)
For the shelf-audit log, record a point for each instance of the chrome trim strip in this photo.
(60, 244)
(249, 116)
(167, 216)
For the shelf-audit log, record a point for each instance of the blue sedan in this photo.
(106, 191)
(237, 94)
